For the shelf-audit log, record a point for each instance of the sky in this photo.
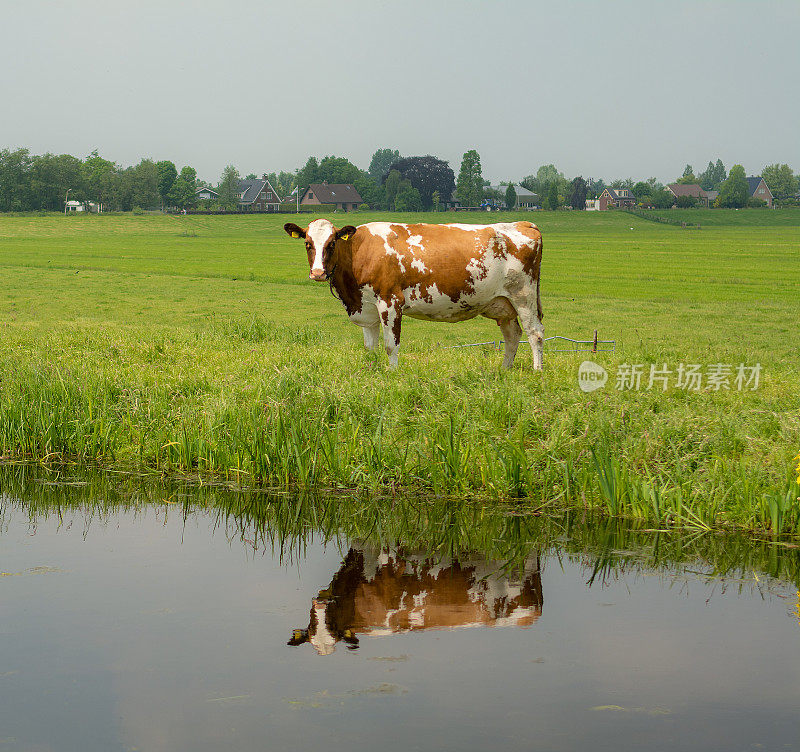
(603, 89)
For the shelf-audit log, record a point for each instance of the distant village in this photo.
(261, 196)
(392, 182)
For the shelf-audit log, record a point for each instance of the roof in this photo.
(201, 189)
(521, 192)
(250, 190)
(336, 193)
(613, 193)
(753, 183)
(687, 190)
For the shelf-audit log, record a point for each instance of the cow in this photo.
(379, 592)
(382, 271)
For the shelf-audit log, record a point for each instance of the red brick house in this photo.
(759, 189)
(618, 198)
(342, 195)
(258, 196)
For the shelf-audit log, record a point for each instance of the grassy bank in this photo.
(196, 344)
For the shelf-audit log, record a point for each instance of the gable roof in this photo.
(753, 183)
(679, 189)
(201, 189)
(251, 188)
(335, 193)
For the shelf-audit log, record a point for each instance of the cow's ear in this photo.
(299, 636)
(345, 232)
(293, 230)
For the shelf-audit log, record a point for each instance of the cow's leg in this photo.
(371, 335)
(391, 318)
(511, 336)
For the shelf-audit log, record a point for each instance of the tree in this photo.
(596, 186)
(391, 187)
(181, 194)
(626, 183)
(143, 185)
(706, 178)
(228, 188)
(688, 177)
(552, 196)
(408, 197)
(780, 179)
(734, 191)
(97, 179)
(577, 193)
(308, 174)
(167, 172)
(250, 176)
(511, 197)
(15, 180)
(381, 163)
(686, 202)
(338, 170)
(641, 189)
(427, 174)
(469, 188)
(662, 199)
(372, 193)
(437, 200)
(50, 177)
(720, 175)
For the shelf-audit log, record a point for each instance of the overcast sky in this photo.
(603, 89)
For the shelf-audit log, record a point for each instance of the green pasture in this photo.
(197, 345)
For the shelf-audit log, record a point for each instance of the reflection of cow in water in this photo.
(379, 593)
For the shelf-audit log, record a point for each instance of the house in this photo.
(759, 189)
(206, 194)
(525, 199)
(258, 196)
(692, 190)
(618, 198)
(254, 196)
(82, 206)
(342, 195)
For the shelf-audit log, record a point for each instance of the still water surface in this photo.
(163, 626)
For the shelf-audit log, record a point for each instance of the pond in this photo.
(140, 616)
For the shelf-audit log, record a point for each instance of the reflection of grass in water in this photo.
(507, 534)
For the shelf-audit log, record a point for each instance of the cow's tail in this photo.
(538, 301)
(538, 278)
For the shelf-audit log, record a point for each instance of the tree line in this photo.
(31, 182)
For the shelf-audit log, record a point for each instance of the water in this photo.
(156, 619)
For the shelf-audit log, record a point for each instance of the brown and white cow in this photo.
(382, 592)
(382, 271)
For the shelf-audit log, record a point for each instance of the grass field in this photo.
(197, 344)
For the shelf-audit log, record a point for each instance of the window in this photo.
(761, 190)
(310, 194)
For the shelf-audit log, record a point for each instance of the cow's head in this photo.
(323, 632)
(321, 237)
